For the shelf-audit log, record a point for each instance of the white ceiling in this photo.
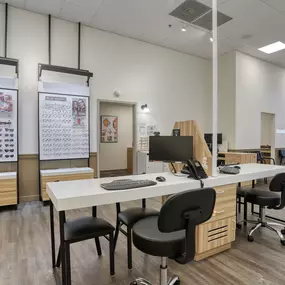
(261, 21)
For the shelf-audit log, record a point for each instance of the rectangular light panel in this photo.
(273, 48)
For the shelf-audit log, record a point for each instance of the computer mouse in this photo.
(160, 179)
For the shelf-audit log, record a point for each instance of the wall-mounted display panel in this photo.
(8, 125)
(63, 126)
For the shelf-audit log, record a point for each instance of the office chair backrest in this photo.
(282, 153)
(259, 156)
(277, 184)
(185, 211)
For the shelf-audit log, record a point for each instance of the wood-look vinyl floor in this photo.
(25, 257)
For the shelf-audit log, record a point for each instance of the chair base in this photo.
(269, 225)
(163, 276)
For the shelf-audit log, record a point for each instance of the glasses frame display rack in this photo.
(68, 97)
(14, 63)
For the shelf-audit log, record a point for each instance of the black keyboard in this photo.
(230, 170)
(124, 184)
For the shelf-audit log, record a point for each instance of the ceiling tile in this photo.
(93, 4)
(75, 13)
(52, 7)
(279, 5)
(15, 3)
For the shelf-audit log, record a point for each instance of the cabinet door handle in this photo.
(220, 192)
(219, 212)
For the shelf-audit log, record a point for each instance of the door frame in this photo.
(135, 120)
(273, 132)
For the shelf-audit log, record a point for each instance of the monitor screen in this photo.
(209, 138)
(170, 148)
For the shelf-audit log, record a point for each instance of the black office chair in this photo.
(241, 193)
(172, 233)
(282, 155)
(262, 159)
(85, 228)
(128, 218)
(268, 199)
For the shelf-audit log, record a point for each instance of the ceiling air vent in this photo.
(198, 14)
(190, 10)
(205, 22)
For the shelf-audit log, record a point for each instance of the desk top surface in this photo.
(77, 194)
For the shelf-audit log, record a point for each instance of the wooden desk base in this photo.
(217, 234)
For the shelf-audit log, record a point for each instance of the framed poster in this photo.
(8, 125)
(109, 129)
(63, 126)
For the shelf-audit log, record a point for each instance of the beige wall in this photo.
(114, 155)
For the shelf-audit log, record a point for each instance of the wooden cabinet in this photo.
(238, 158)
(217, 234)
(8, 189)
(63, 175)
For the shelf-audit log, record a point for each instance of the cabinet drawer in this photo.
(225, 194)
(215, 234)
(66, 177)
(224, 210)
(8, 198)
(8, 185)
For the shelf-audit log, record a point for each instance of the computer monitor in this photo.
(209, 138)
(171, 148)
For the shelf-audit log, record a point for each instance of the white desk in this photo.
(87, 193)
(68, 195)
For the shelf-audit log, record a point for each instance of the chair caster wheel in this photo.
(282, 242)
(283, 232)
(250, 238)
(175, 281)
(239, 226)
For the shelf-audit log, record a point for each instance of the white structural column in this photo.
(215, 87)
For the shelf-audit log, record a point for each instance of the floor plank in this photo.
(25, 255)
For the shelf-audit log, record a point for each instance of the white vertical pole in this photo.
(215, 87)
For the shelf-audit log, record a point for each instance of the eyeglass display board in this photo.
(8, 125)
(63, 126)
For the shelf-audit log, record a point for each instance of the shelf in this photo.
(63, 69)
(10, 62)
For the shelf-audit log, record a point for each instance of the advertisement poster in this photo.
(8, 125)
(109, 129)
(64, 127)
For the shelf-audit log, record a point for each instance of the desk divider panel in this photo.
(200, 148)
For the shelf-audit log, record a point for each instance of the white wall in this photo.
(113, 156)
(175, 86)
(227, 94)
(260, 87)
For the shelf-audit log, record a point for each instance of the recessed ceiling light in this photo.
(211, 39)
(183, 29)
(273, 48)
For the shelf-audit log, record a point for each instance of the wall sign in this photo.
(63, 126)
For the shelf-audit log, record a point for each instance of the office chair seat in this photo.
(263, 198)
(86, 227)
(148, 239)
(130, 216)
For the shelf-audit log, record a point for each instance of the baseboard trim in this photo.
(30, 198)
